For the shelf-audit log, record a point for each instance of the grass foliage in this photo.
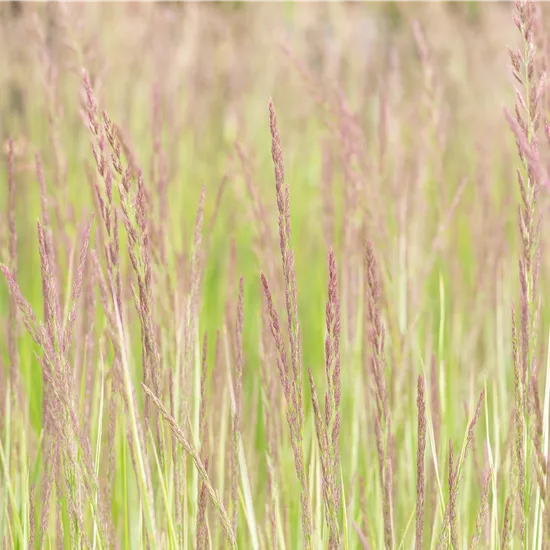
(274, 276)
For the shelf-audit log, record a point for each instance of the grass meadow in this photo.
(274, 276)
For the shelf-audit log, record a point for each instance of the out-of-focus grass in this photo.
(439, 121)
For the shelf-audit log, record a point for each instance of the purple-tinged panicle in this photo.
(50, 288)
(518, 462)
(112, 426)
(276, 150)
(452, 480)
(336, 384)
(507, 524)
(239, 329)
(270, 405)
(282, 193)
(471, 429)
(287, 256)
(531, 179)
(382, 421)
(328, 428)
(32, 527)
(110, 167)
(333, 373)
(482, 511)
(420, 451)
(456, 473)
(3, 393)
(49, 479)
(282, 362)
(202, 526)
(202, 531)
(27, 314)
(77, 284)
(91, 105)
(238, 389)
(49, 245)
(525, 128)
(291, 378)
(325, 459)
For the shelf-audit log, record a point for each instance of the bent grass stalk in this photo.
(190, 450)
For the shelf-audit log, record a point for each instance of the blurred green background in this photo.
(407, 96)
